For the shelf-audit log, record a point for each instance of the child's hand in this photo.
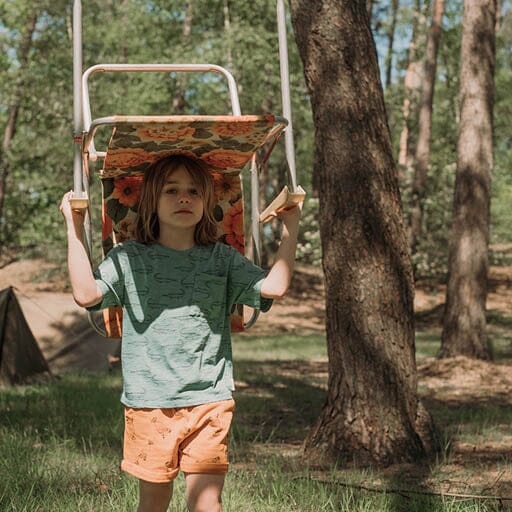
(73, 217)
(291, 216)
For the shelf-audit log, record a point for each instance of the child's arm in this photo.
(278, 280)
(85, 290)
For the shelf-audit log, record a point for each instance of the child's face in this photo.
(180, 207)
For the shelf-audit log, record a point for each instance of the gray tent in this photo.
(21, 359)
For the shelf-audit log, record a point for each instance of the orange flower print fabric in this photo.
(233, 226)
(222, 158)
(127, 190)
(234, 128)
(128, 158)
(162, 133)
(224, 143)
(227, 187)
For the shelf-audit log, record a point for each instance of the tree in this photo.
(178, 102)
(371, 414)
(18, 93)
(395, 4)
(464, 327)
(425, 126)
(412, 87)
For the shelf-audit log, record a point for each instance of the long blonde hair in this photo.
(147, 227)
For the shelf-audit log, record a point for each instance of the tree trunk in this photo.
(17, 98)
(178, 102)
(412, 87)
(499, 8)
(464, 328)
(369, 10)
(371, 412)
(425, 126)
(395, 4)
(228, 35)
(124, 57)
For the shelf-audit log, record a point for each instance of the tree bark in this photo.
(227, 32)
(395, 4)
(14, 108)
(371, 412)
(425, 126)
(464, 327)
(499, 8)
(412, 87)
(178, 102)
(369, 10)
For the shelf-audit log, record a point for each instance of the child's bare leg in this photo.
(204, 492)
(154, 497)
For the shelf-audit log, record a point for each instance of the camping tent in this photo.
(21, 360)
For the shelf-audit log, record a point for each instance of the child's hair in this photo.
(147, 227)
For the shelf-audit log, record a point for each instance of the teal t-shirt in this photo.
(176, 347)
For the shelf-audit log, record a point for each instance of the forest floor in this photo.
(471, 401)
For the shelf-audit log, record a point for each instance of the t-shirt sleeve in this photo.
(244, 283)
(109, 278)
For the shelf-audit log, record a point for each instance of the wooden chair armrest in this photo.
(284, 201)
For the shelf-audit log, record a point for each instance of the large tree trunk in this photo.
(14, 107)
(464, 328)
(370, 415)
(425, 126)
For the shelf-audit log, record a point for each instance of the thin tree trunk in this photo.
(425, 126)
(123, 8)
(395, 4)
(17, 98)
(412, 85)
(178, 102)
(464, 327)
(499, 7)
(369, 10)
(371, 412)
(227, 33)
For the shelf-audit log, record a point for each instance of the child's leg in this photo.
(154, 497)
(204, 492)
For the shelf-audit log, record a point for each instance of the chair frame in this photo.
(84, 127)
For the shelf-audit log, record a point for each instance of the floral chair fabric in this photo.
(224, 143)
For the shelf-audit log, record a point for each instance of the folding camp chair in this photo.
(225, 143)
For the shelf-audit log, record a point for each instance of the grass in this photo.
(60, 443)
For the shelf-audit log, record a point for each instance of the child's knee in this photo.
(154, 497)
(204, 492)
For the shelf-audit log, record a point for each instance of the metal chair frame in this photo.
(84, 127)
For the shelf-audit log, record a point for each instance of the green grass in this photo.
(274, 348)
(60, 443)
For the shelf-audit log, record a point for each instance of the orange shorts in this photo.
(160, 442)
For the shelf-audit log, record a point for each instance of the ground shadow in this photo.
(76, 409)
(75, 346)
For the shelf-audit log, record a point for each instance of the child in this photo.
(177, 286)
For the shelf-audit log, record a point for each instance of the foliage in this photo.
(40, 156)
(132, 31)
(431, 258)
